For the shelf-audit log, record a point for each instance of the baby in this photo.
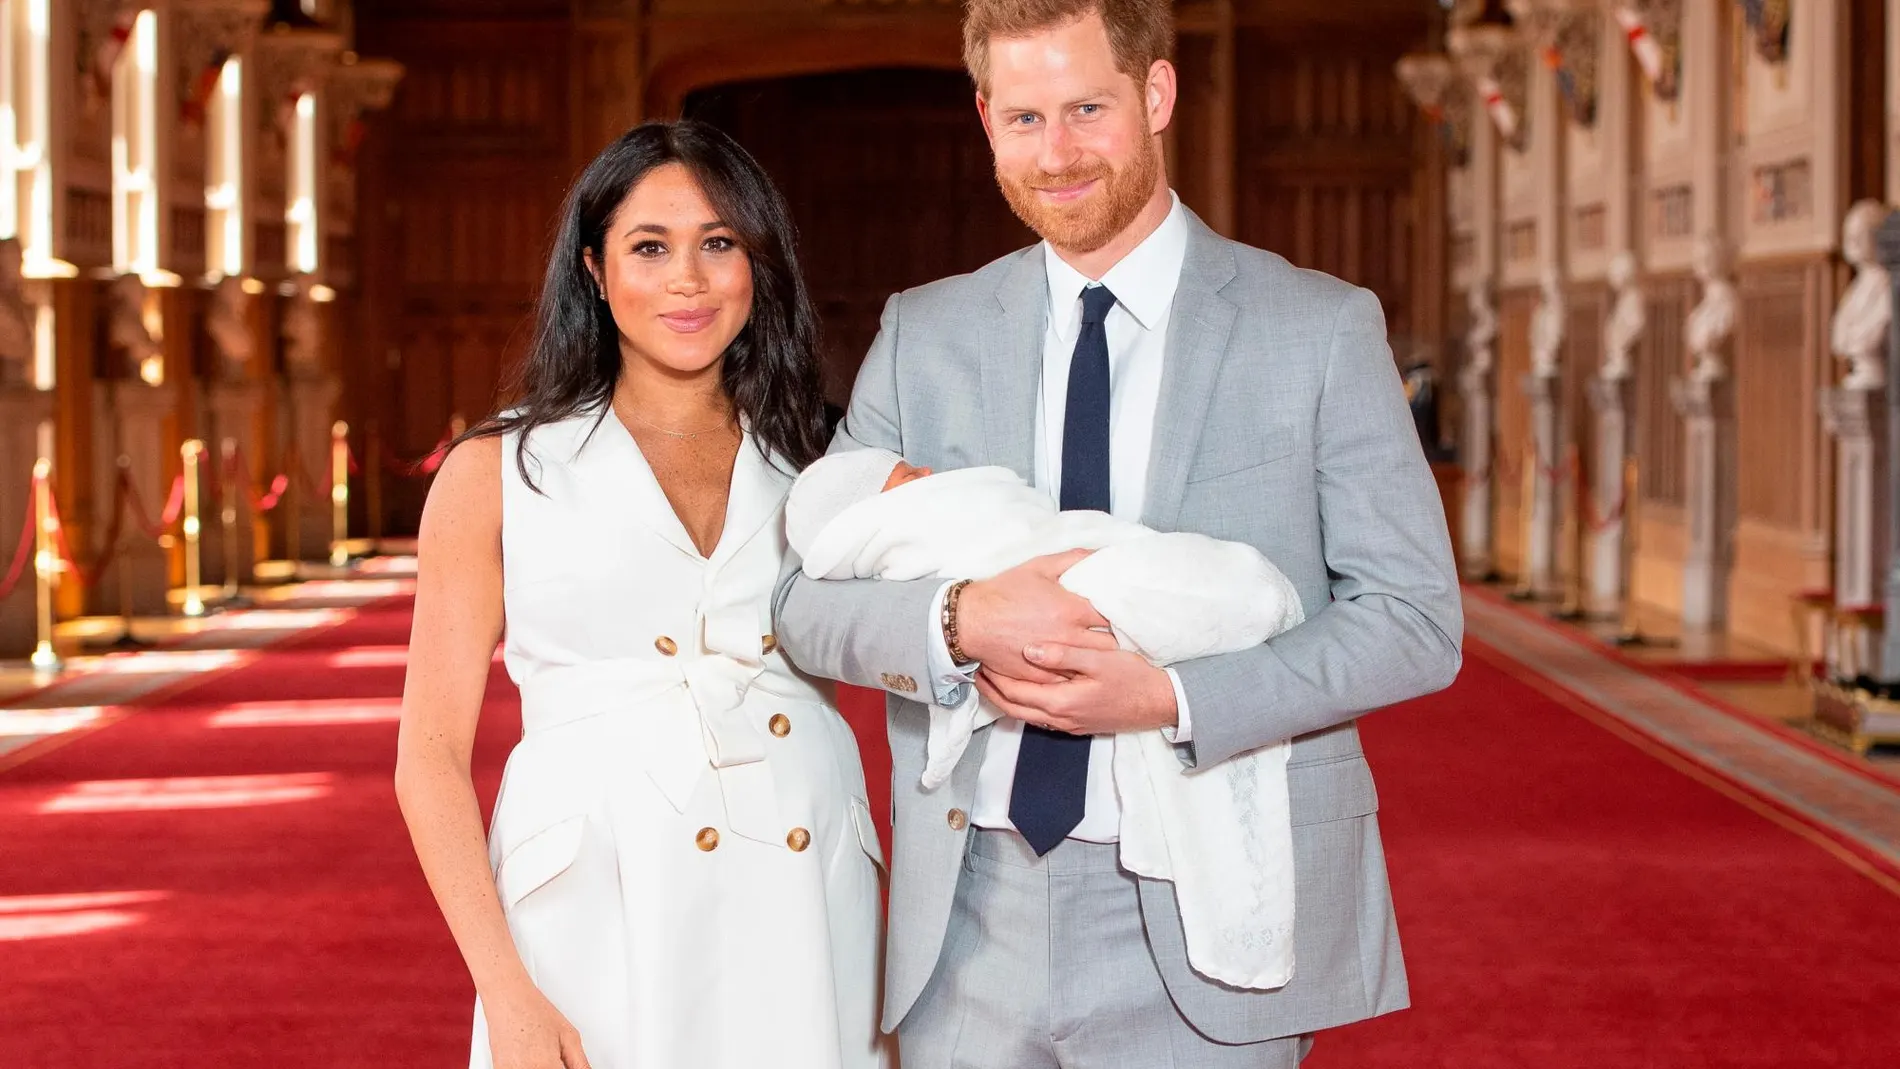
(1223, 837)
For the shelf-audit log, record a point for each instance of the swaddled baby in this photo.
(1222, 836)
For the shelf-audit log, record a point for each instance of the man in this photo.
(1135, 362)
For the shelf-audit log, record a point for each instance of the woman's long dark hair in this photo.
(771, 369)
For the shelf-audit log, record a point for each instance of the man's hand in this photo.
(1026, 606)
(1100, 692)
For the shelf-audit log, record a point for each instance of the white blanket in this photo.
(1223, 835)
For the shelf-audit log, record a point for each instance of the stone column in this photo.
(22, 410)
(1477, 446)
(1705, 400)
(1546, 502)
(1856, 418)
(1544, 387)
(1609, 400)
(136, 415)
(310, 393)
(1887, 246)
(1707, 413)
(1854, 412)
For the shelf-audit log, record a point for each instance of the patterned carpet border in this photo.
(1859, 807)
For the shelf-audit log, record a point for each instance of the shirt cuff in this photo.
(949, 681)
(1182, 732)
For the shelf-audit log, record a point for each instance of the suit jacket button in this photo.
(666, 645)
(959, 820)
(769, 643)
(798, 840)
(707, 839)
(780, 725)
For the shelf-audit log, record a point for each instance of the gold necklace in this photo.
(689, 435)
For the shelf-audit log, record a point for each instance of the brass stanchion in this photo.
(235, 479)
(45, 564)
(292, 509)
(1526, 509)
(339, 494)
(193, 451)
(1631, 632)
(1572, 610)
(373, 484)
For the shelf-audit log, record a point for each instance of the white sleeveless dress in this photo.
(681, 843)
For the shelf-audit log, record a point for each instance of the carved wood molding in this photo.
(290, 63)
(1491, 56)
(208, 32)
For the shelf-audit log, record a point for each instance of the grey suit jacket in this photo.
(1282, 424)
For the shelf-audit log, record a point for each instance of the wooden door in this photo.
(889, 179)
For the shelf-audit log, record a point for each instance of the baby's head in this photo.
(834, 483)
(902, 473)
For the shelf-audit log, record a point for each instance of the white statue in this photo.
(1479, 337)
(1628, 317)
(1547, 328)
(228, 324)
(303, 335)
(16, 318)
(1866, 309)
(126, 331)
(1713, 319)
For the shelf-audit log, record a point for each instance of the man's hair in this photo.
(1139, 31)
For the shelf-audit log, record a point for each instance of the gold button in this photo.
(769, 643)
(780, 724)
(707, 839)
(798, 840)
(958, 820)
(666, 645)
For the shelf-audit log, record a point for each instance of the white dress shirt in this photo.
(1144, 283)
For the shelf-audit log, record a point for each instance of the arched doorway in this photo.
(889, 179)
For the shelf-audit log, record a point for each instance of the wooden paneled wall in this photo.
(1586, 304)
(1326, 156)
(461, 192)
(875, 215)
(1784, 498)
(1658, 437)
(1778, 429)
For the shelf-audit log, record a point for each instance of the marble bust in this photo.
(1866, 309)
(1628, 317)
(1547, 328)
(16, 318)
(1712, 320)
(228, 326)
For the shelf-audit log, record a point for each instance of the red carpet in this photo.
(1566, 899)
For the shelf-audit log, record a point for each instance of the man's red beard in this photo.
(1093, 221)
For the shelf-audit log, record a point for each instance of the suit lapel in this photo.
(615, 476)
(1198, 329)
(1012, 364)
(758, 489)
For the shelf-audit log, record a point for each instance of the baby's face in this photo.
(904, 473)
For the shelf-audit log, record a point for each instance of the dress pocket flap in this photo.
(867, 831)
(539, 858)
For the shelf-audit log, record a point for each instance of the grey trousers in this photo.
(1046, 966)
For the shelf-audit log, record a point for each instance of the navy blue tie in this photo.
(1050, 790)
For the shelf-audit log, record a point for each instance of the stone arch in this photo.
(802, 51)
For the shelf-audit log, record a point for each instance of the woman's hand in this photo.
(525, 1031)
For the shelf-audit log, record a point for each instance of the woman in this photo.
(681, 866)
